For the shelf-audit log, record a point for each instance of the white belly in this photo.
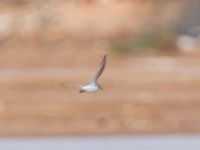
(90, 88)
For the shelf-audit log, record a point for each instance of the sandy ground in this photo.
(43, 45)
(141, 95)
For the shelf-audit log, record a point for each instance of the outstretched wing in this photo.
(99, 70)
(71, 85)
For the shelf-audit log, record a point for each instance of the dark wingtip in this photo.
(104, 58)
(105, 55)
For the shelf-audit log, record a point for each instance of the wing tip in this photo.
(104, 56)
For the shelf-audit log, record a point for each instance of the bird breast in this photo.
(89, 88)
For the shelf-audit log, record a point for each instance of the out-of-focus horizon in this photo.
(30, 30)
(151, 82)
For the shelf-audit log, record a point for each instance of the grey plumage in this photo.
(99, 70)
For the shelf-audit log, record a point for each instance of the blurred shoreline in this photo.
(151, 81)
(139, 97)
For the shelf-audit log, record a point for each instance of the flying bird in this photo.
(93, 85)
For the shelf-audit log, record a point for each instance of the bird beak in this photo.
(81, 91)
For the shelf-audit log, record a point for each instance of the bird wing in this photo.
(71, 85)
(99, 70)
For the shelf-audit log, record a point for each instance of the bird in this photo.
(93, 85)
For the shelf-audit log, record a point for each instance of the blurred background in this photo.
(151, 81)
